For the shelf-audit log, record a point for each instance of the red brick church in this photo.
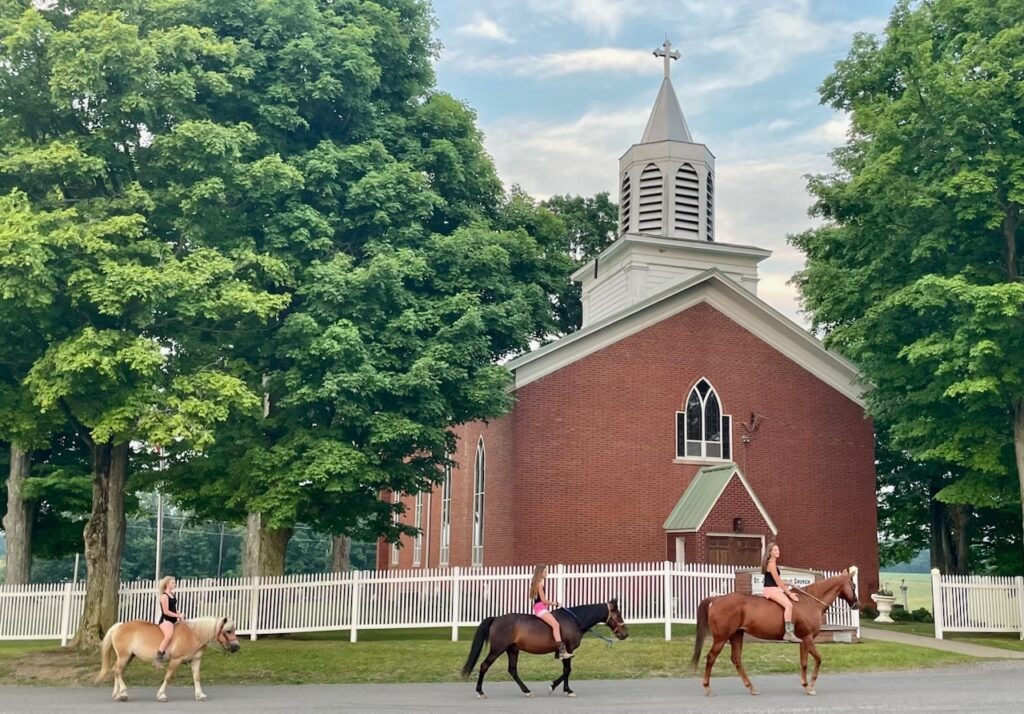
(687, 420)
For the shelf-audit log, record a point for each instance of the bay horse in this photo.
(140, 638)
(729, 616)
(514, 633)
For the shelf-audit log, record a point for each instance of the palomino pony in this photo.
(140, 638)
(511, 634)
(729, 616)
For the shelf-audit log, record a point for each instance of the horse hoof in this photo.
(528, 694)
(201, 697)
(161, 698)
(709, 694)
(754, 692)
(481, 695)
(811, 692)
(551, 689)
(570, 694)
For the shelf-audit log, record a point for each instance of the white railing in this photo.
(660, 592)
(977, 603)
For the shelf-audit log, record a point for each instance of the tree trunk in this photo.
(264, 548)
(939, 541)
(341, 552)
(18, 520)
(104, 543)
(959, 519)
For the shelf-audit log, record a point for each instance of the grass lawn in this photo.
(394, 656)
(919, 588)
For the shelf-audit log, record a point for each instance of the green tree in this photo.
(406, 284)
(916, 274)
(589, 225)
(108, 165)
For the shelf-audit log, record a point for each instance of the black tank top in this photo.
(172, 605)
(769, 579)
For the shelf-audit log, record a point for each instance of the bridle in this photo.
(222, 639)
(614, 627)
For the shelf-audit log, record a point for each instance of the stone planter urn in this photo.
(884, 603)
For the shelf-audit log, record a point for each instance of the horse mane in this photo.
(820, 586)
(204, 628)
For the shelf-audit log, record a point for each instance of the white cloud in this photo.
(602, 60)
(485, 27)
(595, 16)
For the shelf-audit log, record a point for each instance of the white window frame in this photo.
(444, 546)
(393, 561)
(725, 428)
(417, 544)
(479, 490)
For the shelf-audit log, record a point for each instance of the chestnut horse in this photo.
(729, 616)
(511, 634)
(140, 638)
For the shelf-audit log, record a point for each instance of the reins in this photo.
(588, 630)
(812, 597)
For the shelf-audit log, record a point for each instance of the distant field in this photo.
(919, 588)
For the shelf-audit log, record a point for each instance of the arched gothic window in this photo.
(417, 544)
(479, 482)
(702, 431)
(446, 517)
(395, 518)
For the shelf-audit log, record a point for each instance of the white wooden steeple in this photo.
(666, 231)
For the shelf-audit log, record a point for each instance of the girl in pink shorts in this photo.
(541, 605)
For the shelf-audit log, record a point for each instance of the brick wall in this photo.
(593, 475)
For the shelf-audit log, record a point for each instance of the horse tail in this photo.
(478, 645)
(702, 629)
(108, 643)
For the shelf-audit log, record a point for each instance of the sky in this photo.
(562, 88)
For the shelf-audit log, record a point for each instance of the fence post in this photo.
(667, 590)
(1020, 602)
(65, 615)
(353, 633)
(254, 606)
(855, 619)
(560, 584)
(937, 613)
(456, 605)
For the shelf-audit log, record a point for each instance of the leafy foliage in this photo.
(916, 274)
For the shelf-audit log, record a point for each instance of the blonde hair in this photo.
(767, 556)
(161, 587)
(538, 577)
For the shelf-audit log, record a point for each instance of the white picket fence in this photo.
(977, 603)
(661, 592)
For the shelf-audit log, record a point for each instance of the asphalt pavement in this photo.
(990, 686)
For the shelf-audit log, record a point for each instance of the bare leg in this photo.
(813, 649)
(553, 624)
(161, 695)
(484, 666)
(200, 696)
(513, 663)
(736, 648)
(712, 656)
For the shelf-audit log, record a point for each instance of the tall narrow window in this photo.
(650, 205)
(625, 203)
(446, 518)
(479, 483)
(709, 207)
(687, 200)
(395, 498)
(702, 431)
(417, 544)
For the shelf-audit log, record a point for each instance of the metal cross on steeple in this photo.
(668, 53)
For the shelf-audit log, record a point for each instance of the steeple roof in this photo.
(667, 122)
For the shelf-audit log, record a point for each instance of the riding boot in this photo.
(562, 653)
(160, 659)
(790, 636)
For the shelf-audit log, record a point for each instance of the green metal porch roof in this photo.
(703, 493)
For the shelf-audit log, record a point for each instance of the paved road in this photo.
(985, 687)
